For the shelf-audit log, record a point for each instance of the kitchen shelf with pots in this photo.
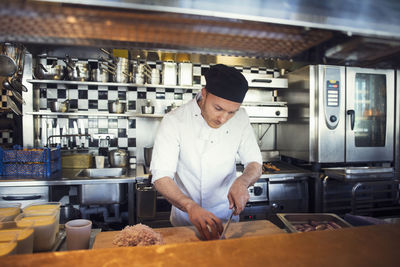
(196, 87)
(86, 113)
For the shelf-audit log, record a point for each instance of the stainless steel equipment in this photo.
(100, 194)
(272, 112)
(118, 158)
(338, 114)
(285, 190)
(293, 220)
(25, 195)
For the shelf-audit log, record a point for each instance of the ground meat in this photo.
(137, 235)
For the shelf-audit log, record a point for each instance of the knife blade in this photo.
(227, 224)
(82, 128)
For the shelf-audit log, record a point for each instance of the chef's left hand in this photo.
(238, 196)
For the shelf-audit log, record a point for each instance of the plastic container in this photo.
(24, 236)
(9, 211)
(45, 229)
(8, 247)
(44, 208)
(39, 162)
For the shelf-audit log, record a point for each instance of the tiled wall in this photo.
(94, 98)
(6, 135)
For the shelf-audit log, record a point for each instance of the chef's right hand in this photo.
(208, 225)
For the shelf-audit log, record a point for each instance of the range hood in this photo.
(255, 28)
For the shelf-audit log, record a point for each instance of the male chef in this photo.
(194, 155)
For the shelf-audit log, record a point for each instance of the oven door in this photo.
(370, 115)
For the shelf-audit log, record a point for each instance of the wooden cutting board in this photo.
(188, 233)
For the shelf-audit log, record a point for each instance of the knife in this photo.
(83, 138)
(76, 134)
(227, 224)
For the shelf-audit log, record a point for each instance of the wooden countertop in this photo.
(358, 246)
(185, 234)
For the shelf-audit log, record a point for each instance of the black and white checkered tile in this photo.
(96, 97)
(6, 135)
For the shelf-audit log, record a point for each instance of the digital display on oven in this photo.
(332, 88)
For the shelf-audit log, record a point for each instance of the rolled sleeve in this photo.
(166, 150)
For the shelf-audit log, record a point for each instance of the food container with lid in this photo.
(44, 208)
(9, 246)
(24, 236)
(9, 211)
(45, 229)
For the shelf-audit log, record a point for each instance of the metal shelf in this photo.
(194, 87)
(96, 114)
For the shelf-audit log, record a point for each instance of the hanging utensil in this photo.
(17, 85)
(49, 132)
(17, 96)
(76, 132)
(57, 132)
(11, 104)
(64, 140)
(11, 59)
(82, 128)
(44, 132)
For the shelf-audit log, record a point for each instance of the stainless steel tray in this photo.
(359, 172)
(291, 220)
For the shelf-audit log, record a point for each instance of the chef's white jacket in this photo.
(200, 159)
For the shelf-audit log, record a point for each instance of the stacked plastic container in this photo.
(40, 162)
(23, 236)
(45, 219)
(9, 211)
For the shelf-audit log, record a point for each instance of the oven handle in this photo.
(351, 113)
(19, 198)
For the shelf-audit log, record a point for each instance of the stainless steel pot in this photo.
(49, 72)
(59, 106)
(77, 71)
(116, 106)
(100, 75)
(118, 158)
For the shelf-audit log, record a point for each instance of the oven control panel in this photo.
(332, 97)
(258, 192)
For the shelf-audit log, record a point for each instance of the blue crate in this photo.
(38, 162)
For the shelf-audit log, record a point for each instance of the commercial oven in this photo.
(338, 114)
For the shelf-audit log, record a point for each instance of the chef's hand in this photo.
(238, 196)
(208, 225)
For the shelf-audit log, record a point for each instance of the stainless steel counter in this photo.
(70, 177)
(66, 177)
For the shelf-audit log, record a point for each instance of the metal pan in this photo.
(292, 220)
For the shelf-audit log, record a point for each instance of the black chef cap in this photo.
(226, 82)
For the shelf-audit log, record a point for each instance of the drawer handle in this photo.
(261, 81)
(19, 198)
